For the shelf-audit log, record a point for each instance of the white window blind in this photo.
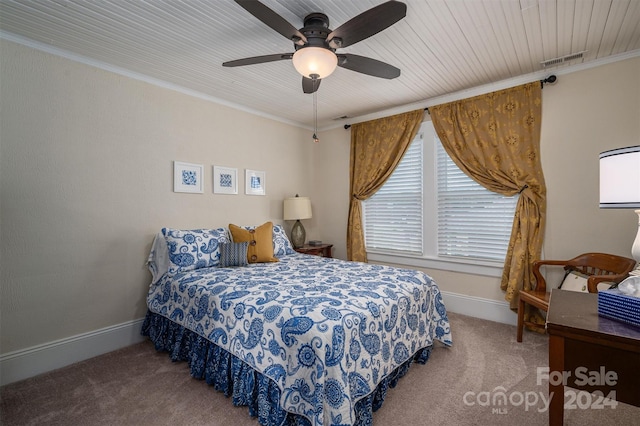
(393, 216)
(430, 214)
(473, 222)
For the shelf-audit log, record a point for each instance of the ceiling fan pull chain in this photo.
(314, 78)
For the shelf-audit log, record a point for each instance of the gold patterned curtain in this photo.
(376, 149)
(495, 139)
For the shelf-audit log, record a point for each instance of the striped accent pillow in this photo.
(233, 254)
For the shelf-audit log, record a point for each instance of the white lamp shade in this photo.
(315, 60)
(296, 208)
(620, 178)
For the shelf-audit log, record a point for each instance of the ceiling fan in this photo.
(315, 43)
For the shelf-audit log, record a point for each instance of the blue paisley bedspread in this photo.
(324, 330)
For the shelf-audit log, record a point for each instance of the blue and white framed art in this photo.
(225, 180)
(255, 182)
(187, 177)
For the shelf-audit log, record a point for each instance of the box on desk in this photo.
(618, 306)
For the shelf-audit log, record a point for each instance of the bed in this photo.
(299, 339)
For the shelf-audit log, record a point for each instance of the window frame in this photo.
(430, 259)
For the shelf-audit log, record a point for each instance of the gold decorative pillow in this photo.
(260, 242)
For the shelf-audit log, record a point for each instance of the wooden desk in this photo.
(580, 338)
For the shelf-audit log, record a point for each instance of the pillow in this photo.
(193, 249)
(233, 254)
(575, 281)
(281, 243)
(605, 285)
(158, 260)
(260, 242)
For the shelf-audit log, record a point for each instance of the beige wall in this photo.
(86, 179)
(331, 199)
(583, 114)
(586, 113)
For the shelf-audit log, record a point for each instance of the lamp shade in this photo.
(296, 208)
(315, 60)
(620, 178)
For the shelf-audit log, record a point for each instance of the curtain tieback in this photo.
(522, 189)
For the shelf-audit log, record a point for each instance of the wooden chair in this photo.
(600, 267)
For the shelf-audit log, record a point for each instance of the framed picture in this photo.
(187, 177)
(255, 182)
(225, 180)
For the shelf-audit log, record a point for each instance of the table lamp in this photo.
(297, 208)
(620, 186)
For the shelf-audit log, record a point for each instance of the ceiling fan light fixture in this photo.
(315, 60)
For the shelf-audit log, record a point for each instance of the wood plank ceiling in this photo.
(442, 47)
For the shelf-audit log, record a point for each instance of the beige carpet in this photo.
(138, 386)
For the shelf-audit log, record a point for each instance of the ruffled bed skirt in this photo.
(246, 386)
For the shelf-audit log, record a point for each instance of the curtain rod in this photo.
(551, 79)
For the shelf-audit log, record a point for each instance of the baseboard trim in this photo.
(25, 363)
(479, 307)
(22, 364)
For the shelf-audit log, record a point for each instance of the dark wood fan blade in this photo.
(273, 20)
(367, 24)
(258, 60)
(367, 66)
(309, 85)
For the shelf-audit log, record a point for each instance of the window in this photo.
(393, 218)
(473, 222)
(429, 213)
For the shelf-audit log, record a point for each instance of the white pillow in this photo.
(158, 260)
(604, 285)
(281, 243)
(575, 281)
(194, 248)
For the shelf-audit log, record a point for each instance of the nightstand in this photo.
(323, 250)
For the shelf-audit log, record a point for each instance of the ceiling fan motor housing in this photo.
(316, 30)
